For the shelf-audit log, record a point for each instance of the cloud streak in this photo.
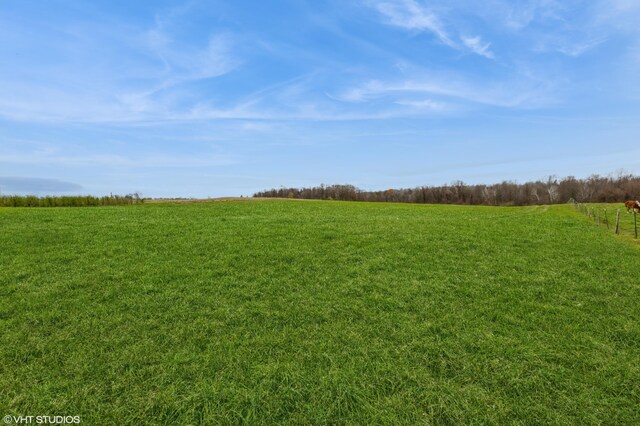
(414, 16)
(112, 160)
(111, 72)
(22, 185)
(477, 46)
(410, 15)
(519, 93)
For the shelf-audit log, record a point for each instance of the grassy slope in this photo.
(310, 312)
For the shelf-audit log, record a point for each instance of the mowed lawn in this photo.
(311, 312)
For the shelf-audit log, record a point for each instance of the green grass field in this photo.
(318, 312)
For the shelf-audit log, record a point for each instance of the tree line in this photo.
(552, 190)
(68, 201)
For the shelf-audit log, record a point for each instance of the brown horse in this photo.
(632, 205)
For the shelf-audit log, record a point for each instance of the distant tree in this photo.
(549, 191)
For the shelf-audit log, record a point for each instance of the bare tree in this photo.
(552, 190)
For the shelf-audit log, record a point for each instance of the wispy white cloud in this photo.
(117, 160)
(112, 72)
(570, 27)
(609, 9)
(411, 15)
(577, 48)
(518, 16)
(163, 76)
(19, 184)
(415, 16)
(477, 46)
(517, 93)
(427, 104)
(184, 62)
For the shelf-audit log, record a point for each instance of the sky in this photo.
(226, 98)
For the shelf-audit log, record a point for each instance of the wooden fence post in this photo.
(598, 216)
(635, 223)
(606, 220)
(617, 221)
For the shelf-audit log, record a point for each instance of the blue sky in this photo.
(220, 98)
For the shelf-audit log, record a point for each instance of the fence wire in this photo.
(618, 220)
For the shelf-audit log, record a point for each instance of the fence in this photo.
(624, 224)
